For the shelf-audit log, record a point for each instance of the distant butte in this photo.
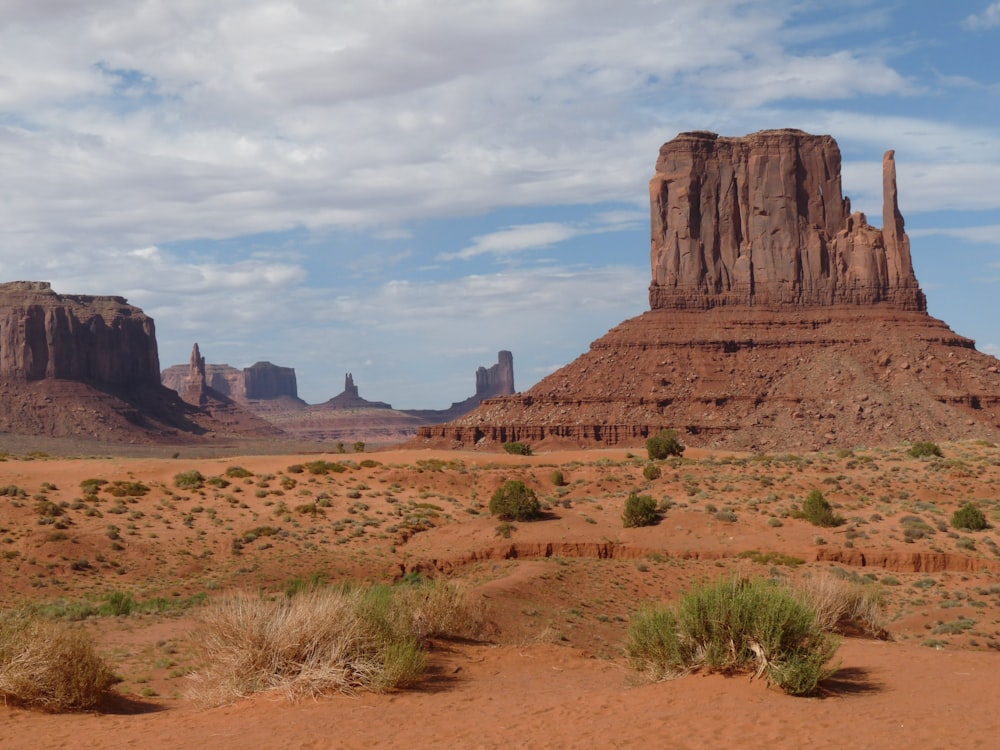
(779, 320)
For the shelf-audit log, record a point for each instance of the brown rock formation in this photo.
(761, 220)
(80, 366)
(261, 381)
(779, 321)
(74, 337)
(498, 380)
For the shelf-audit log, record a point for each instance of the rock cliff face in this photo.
(74, 337)
(761, 220)
(498, 380)
(260, 381)
(779, 321)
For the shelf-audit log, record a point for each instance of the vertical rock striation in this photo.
(44, 335)
(761, 220)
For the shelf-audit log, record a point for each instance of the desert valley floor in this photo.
(555, 595)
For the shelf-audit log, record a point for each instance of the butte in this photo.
(779, 320)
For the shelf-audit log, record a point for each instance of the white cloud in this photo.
(988, 19)
(515, 240)
(987, 235)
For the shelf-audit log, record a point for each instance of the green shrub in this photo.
(664, 444)
(651, 472)
(640, 510)
(923, 448)
(238, 472)
(189, 480)
(324, 467)
(517, 448)
(969, 517)
(359, 446)
(751, 626)
(817, 511)
(558, 479)
(515, 501)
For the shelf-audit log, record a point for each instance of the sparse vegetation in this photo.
(189, 480)
(924, 449)
(50, 665)
(517, 448)
(324, 640)
(734, 625)
(664, 444)
(969, 517)
(818, 511)
(651, 471)
(640, 510)
(515, 501)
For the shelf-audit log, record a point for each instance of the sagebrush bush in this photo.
(238, 472)
(651, 472)
(189, 480)
(923, 448)
(734, 625)
(517, 448)
(640, 510)
(664, 444)
(817, 511)
(515, 501)
(558, 479)
(333, 639)
(969, 517)
(50, 665)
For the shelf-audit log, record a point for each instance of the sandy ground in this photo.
(549, 672)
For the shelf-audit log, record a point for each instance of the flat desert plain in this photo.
(555, 595)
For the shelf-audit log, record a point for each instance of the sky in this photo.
(402, 188)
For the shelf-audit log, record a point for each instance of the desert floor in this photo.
(557, 594)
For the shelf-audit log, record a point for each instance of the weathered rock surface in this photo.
(761, 220)
(74, 337)
(80, 366)
(779, 321)
(261, 381)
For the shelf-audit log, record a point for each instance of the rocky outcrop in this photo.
(261, 381)
(349, 398)
(761, 220)
(498, 380)
(86, 368)
(779, 321)
(101, 340)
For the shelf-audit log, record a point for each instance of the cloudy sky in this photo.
(401, 188)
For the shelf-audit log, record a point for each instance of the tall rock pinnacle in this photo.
(761, 220)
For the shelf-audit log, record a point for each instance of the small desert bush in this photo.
(517, 448)
(321, 468)
(969, 517)
(50, 665)
(651, 471)
(664, 444)
(558, 478)
(189, 480)
(515, 501)
(238, 472)
(734, 625)
(640, 510)
(924, 448)
(322, 640)
(844, 606)
(818, 511)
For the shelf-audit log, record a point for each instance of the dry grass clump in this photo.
(50, 665)
(332, 639)
(844, 606)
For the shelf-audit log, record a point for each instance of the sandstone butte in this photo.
(779, 320)
(83, 366)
